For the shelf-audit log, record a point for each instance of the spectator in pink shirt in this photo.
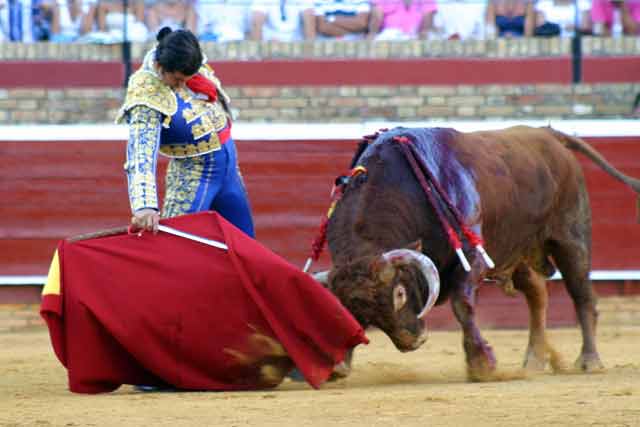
(614, 18)
(401, 19)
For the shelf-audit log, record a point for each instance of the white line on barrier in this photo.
(596, 275)
(316, 131)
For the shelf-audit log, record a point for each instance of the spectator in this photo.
(284, 20)
(401, 19)
(510, 18)
(615, 18)
(27, 20)
(44, 19)
(67, 19)
(342, 19)
(557, 17)
(460, 19)
(104, 22)
(631, 17)
(174, 14)
(222, 20)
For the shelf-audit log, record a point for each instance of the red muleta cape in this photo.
(165, 310)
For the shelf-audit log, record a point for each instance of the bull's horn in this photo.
(322, 277)
(428, 269)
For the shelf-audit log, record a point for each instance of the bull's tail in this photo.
(577, 144)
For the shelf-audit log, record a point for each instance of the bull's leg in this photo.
(534, 287)
(573, 261)
(480, 359)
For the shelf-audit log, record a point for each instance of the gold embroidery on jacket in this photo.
(188, 150)
(145, 88)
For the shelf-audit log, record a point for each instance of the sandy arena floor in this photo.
(425, 388)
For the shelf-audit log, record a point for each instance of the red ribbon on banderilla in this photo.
(421, 171)
(317, 245)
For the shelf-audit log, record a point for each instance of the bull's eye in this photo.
(399, 297)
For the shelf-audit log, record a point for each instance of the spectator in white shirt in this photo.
(282, 20)
(459, 19)
(16, 21)
(563, 14)
(175, 14)
(222, 20)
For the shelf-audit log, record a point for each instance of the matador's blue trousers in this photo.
(209, 181)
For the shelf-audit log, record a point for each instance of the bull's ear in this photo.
(382, 270)
(415, 246)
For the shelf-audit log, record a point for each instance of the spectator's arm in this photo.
(191, 18)
(89, 19)
(629, 26)
(329, 28)
(529, 20)
(490, 21)
(375, 21)
(354, 24)
(427, 24)
(138, 10)
(102, 17)
(55, 18)
(257, 22)
(309, 24)
(152, 19)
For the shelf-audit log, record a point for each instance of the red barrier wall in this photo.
(328, 72)
(52, 190)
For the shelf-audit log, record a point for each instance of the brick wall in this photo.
(346, 103)
(598, 97)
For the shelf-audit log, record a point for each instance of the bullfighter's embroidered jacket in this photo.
(176, 123)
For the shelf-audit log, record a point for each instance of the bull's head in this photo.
(392, 292)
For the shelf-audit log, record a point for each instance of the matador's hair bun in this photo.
(164, 32)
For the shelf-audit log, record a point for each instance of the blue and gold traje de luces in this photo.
(193, 128)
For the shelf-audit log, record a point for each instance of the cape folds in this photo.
(165, 310)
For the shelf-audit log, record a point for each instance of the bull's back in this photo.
(529, 183)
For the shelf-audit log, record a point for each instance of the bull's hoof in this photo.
(534, 364)
(481, 369)
(589, 363)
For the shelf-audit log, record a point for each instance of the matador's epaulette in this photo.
(147, 89)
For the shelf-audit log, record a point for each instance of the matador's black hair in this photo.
(178, 50)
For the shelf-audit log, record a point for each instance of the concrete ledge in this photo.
(246, 131)
(251, 50)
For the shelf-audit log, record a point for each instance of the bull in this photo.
(521, 191)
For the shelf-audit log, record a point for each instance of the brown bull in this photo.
(520, 189)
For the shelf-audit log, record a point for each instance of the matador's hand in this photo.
(146, 219)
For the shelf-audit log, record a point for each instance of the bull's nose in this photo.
(422, 338)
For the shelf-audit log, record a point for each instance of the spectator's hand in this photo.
(146, 219)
